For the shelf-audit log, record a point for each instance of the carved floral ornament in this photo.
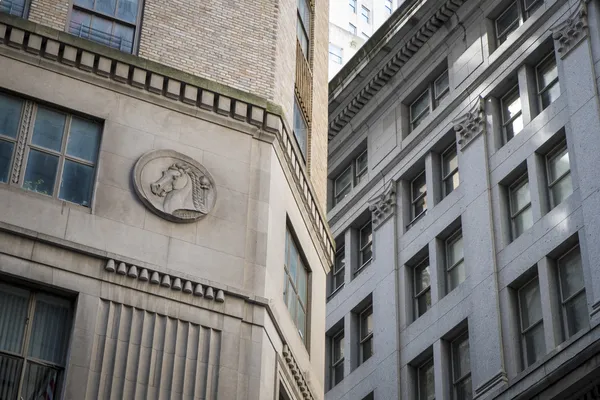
(471, 124)
(382, 206)
(174, 186)
(571, 31)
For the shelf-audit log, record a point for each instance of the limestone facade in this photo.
(461, 248)
(165, 280)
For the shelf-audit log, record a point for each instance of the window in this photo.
(388, 6)
(455, 261)
(366, 334)
(335, 53)
(426, 381)
(512, 120)
(521, 216)
(300, 128)
(575, 314)
(366, 245)
(350, 177)
(295, 293)
(61, 155)
(111, 23)
(461, 368)
(352, 29)
(533, 345)
(337, 358)
(425, 103)
(513, 16)
(422, 288)
(365, 14)
(35, 330)
(352, 4)
(547, 81)
(450, 179)
(14, 7)
(370, 396)
(339, 268)
(303, 26)
(558, 169)
(418, 196)
(364, 36)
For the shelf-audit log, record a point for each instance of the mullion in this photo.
(521, 211)
(567, 300)
(531, 327)
(560, 178)
(27, 338)
(548, 86)
(450, 268)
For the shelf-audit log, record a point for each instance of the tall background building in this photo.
(351, 24)
(162, 197)
(465, 203)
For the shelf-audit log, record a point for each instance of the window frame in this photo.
(389, 6)
(433, 100)
(453, 348)
(422, 292)
(556, 152)
(540, 91)
(336, 58)
(306, 30)
(524, 331)
(453, 238)
(335, 363)
(365, 13)
(336, 270)
(300, 113)
(514, 89)
(564, 302)
(449, 175)
(363, 339)
(413, 200)
(24, 14)
(356, 177)
(289, 281)
(523, 14)
(517, 184)
(352, 28)
(352, 4)
(429, 363)
(363, 247)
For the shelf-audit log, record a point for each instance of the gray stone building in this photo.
(162, 199)
(464, 155)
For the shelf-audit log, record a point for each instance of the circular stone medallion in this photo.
(174, 186)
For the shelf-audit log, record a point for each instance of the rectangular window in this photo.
(35, 330)
(300, 128)
(365, 14)
(422, 288)
(303, 26)
(295, 293)
(62, 150)
(424, 104)
(366, 334)
(513, 16)
(512, 120)
(419, 109)
(366, 245)
(461, 368)
(350, 177)
(455, 261)
(364, 36)
(352, 4)
(547, 81)
(337, 358)
(521, 215)
(575, 314)
(112, 23)
(335, 53)
(426, 381)
(388, 6)
(418, 195)
(441, 88)
(14, 7)
(560, 185)
(352, 29)
(339, 268)
(533, 344)
(450, 178)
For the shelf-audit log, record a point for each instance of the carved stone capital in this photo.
(471, 124)
(383, 206)
(571, 31)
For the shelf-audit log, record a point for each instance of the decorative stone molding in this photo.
(174, 186)
(571, 31)
(27, 114)
(471, 124)
(301, 383)
(165, 280)
(383, 206)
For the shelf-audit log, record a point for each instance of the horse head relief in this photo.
(174, 186)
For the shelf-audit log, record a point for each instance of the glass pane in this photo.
(84, 3)
(452, 183)
(302, 38)
(339, 373)
(508, 21)
(535, 344)
(426, 382)
(338, 279)
(127, 10)
(13, 7)
(571, 274)
(551, 94)
(343, 181)
(530, 303)
(77, 182)
(361, 163)
(304, 11)
(292, 260)
(522, 222)
(519, 197)
(80, 24)
(455, 250)
(6, 150)
(366, 235)
(562, 189)
(102, 31)
(547, 72)
(50, 332)
(558, 164)
(10, 375)
(511, 105)
(463, 390)
(291, 300)
(367, 349)
(366, 255)
(461, 358)
(300, 128)
(123, 38)
(514, 127)
(456, 276)
(420, 106)
(302, 284)
(10, 114)
(366, 324)
(106, 6)
(13, 303)
(421, 277)
(423, 303)
(419, 186)
(49, 128)
(41, 172)
(338, 347)
(84, 139)
(577, 314)
(449, 162)
(531, 6)
(301, 322)
(441, 85)
(419, 206)
(40, 382)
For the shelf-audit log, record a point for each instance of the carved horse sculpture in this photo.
(184, 191)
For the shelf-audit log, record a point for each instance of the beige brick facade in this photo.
(52, 13)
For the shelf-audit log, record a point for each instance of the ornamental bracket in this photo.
(471, 124)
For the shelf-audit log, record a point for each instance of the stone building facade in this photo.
(162, 191)
(465, 203)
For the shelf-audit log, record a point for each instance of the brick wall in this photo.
(52, 13)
